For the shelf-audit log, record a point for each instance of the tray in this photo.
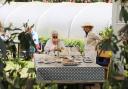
(70, 64)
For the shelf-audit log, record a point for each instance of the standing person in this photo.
(35, 39)
(3, 36)
(2, 44)
(54, 44)
(27, 42)
(91, 40)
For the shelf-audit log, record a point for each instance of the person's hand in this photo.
(37, 46)
(57, 49)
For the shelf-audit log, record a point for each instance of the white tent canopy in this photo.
(6, 10)
(66, 18)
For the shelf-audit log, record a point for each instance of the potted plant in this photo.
(106, 47)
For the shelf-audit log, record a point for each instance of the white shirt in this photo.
(4, 36)
(92, 39)
(50, 46)
(90, 43)
(35, 37)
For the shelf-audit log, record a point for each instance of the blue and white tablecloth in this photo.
(85, 72)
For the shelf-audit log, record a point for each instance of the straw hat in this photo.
(87, 25)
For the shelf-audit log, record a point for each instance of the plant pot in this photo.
(104, 53)
(103, 57)
(103, 61)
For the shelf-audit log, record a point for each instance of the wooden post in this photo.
(107, 69)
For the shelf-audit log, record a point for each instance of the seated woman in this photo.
(54, 44)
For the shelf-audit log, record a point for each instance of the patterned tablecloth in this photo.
(57, 72)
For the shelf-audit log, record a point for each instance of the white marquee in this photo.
(67, 18)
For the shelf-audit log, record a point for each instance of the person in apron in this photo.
(91, 40)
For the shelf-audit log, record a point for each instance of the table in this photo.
(58, 73)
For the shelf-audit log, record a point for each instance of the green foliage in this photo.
(14, 79)
(43, 39)
(113, 72)
(123, 33)
(106, 85)
(124, 53)
(75, 43)
(52, 86)
(125, 84)
(114, 84)
(2, 75)
(106, 33)
(126, 73)
(109, 41)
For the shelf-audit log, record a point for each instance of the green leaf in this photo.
(17, 82)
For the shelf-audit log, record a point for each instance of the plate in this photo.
(88, 61)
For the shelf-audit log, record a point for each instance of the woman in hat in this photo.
(91, 40)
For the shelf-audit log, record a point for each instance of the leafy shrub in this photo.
(75, 43)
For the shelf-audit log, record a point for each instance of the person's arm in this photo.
(4, 37)
(61, 46)
(40, 47)
(48, 46)
(36, 38)
(98, 39)
(96, 36)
